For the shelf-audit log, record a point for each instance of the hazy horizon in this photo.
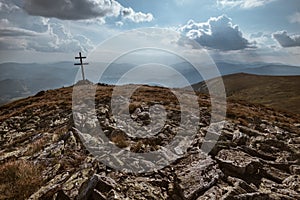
(241, 31)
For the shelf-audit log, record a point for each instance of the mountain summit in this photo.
(42, 155)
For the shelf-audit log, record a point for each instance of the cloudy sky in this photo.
(230, 30)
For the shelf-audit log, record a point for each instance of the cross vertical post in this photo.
(81, 64)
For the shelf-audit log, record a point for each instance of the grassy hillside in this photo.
(278, 92)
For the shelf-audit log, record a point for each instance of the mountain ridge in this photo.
(45, 76)
(278, 92)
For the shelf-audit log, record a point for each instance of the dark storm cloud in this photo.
(72, 9)
(20, 31)
(83, 9)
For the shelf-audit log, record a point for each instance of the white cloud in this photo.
(97, 21)
(119, 23)
(295, 18)
(83, 9)
(55, 39)
(285, 40)
(12, 44)
(137, 17)
(182, 2)
(288, 56)
(15, 32)
(217, 33)
(4, 22)
(263, 39)
(244, 4)
(8, 6)
(14, 16)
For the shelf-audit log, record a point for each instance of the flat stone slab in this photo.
(238, 161)
(196, 175)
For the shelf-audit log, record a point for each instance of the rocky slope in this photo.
(257, 155)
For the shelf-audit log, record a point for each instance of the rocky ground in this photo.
(42, 156)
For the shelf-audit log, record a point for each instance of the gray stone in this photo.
(96, 195)
(295, 169)
(196, 176)
(238, 162)
(239, 138)
(105, 184)
(60, 195)
(87, 188)
(251, 196)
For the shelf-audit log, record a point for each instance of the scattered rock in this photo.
(50, 186)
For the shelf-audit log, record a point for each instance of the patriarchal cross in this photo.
(81, 64)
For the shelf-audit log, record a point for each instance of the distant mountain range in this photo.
(19, 80)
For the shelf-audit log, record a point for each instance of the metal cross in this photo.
(81, 64)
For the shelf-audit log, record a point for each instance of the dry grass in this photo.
(19, 179)
(120, 140)
(137, 147)
(58, 133)
(133, 106)
(50, 99)
(36, 146)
